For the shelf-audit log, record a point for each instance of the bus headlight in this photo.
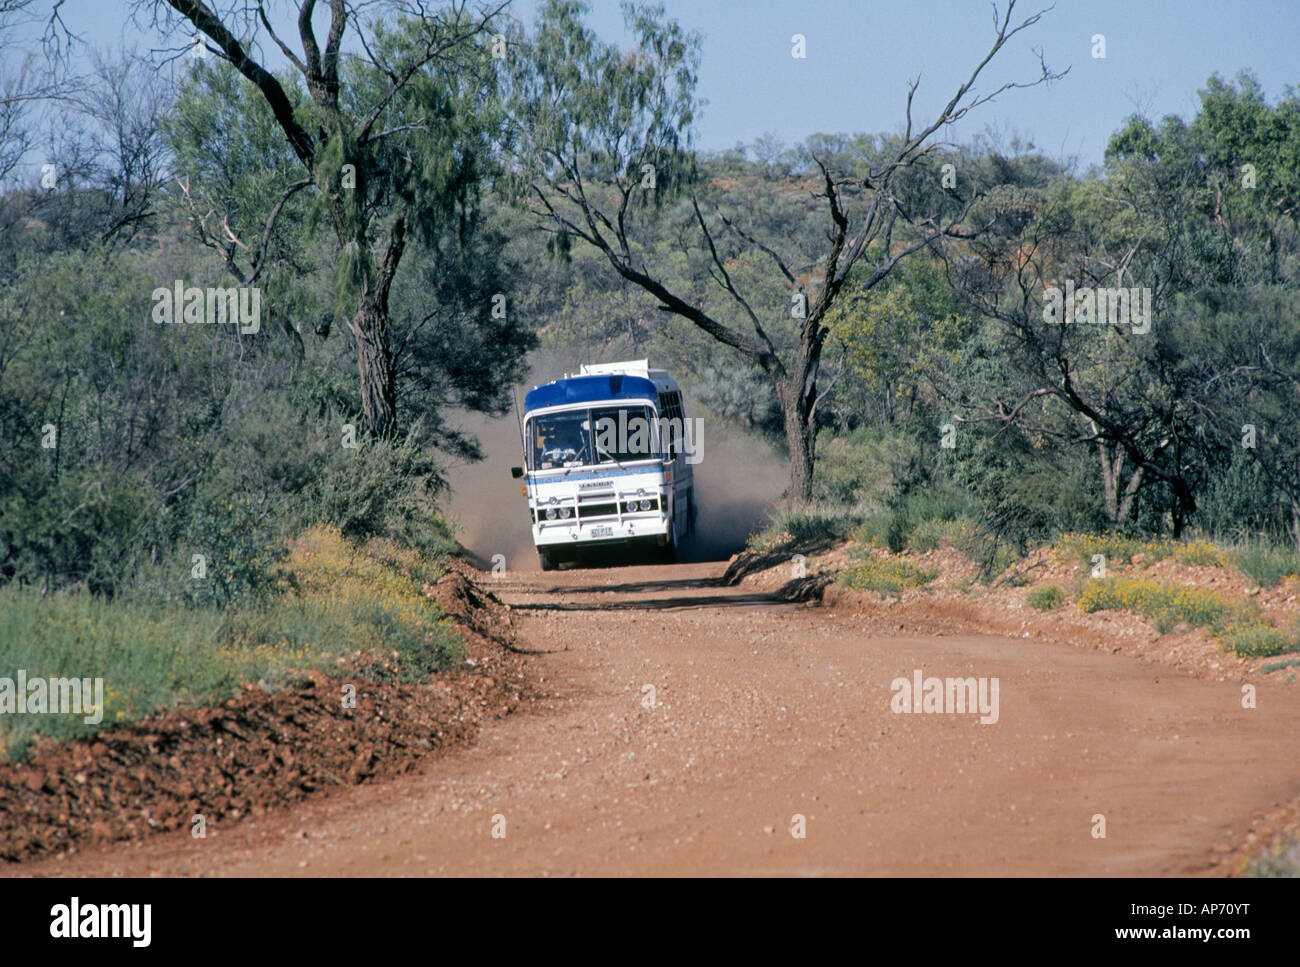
(564, 512)
(550, 513)
(629, 507)
(646, 505)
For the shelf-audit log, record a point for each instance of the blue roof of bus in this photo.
(590, 389)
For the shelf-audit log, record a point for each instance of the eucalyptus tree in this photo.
(388, 122)
(605, 148)
(1200, 218)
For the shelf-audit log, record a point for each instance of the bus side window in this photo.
(680, 416)
(665, 436)
(670, 412)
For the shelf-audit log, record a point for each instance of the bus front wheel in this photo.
(547, 561)
(668, 550)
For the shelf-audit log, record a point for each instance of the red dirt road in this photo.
(765, 710)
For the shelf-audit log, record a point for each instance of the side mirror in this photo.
(516, 472)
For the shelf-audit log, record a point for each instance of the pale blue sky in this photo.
(861, 53)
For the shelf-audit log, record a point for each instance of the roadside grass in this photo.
(926, 522)
(148, 657)
(1264, 562)
(810, 523)
(920, 523)
(1267, 564)
(1238, 627)
(888, 576)
(151, 658)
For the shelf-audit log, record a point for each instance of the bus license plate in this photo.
(602, 532)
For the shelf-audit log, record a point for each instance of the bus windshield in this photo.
(580, 438)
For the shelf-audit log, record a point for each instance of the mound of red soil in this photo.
(258, 750)
(477, 612)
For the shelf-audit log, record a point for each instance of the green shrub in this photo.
(936, 505)
(1004, 556)
(930, 534)
(992, 553)
(1045, 597)
(887, 528)
(241, 555)
(856, 468)
(382, 488)
(88, 526)
(921, 522)
(1025, 489)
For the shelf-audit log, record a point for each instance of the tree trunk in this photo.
(375, 366)
(1118, 508)
(797, 394)
(1110, 470)
(799, 440)
(370, 328)
(1184, 505)
(1130, 492)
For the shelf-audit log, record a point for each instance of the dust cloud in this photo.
(737, 482)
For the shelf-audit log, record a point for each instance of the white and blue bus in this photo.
(608, 461)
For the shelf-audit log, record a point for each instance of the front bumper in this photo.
(612, 530)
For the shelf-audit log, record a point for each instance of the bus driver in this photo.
(563, 444)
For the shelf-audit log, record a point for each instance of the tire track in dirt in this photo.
(765, 710)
